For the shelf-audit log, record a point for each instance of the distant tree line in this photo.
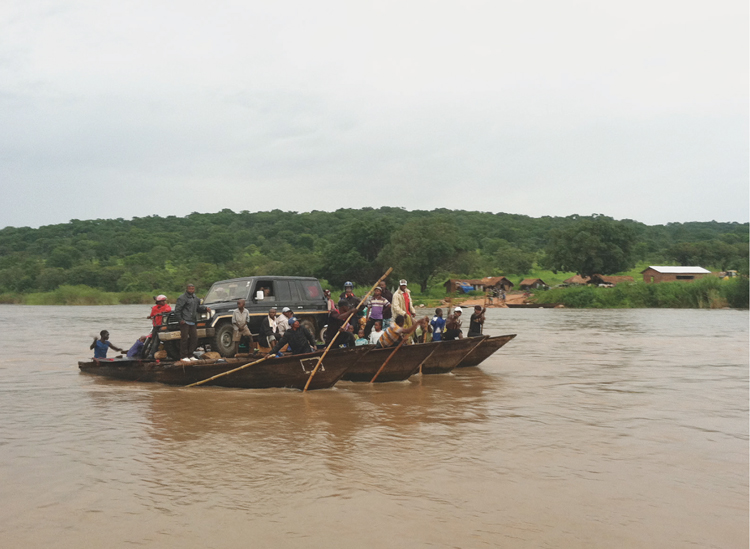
(162, 253)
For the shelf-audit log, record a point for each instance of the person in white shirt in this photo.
(282, 322)
(377, 331)
(240, 318)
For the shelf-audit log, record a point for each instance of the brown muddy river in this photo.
(615, 428)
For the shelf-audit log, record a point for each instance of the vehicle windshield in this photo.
(227, 291)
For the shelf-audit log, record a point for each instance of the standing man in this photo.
(269, 331)
(352, 300)
(101, 346)
(375, 309)
(453, 326)
(438, 325)
(388, 296)
(282, 322)
(187, 308)
(402, 304)
(476, 322)
(348, 295)
(240, 319)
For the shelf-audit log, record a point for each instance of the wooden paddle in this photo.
(227, 373)
(387, 360)
(333, 340)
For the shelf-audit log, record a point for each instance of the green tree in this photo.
(421, 249)
(595, 245)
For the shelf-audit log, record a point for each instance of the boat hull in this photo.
(448, 354)
(484, 350)
(285, 372)
(404, 364)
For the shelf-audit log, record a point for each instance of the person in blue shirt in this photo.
(101, 345)
(137, 349)
(438, 325)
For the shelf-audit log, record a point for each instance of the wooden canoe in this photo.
(448, 354)
(484, 350)
(405, 363)
(290, 371)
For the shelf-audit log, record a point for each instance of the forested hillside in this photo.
(162, 253)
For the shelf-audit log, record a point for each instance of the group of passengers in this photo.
(384, 320)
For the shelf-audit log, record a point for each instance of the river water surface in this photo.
(613, 428)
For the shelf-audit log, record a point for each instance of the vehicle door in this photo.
(263, 296)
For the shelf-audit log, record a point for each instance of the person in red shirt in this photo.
(158, 318)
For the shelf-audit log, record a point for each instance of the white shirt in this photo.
(282, 324)
(375, 336)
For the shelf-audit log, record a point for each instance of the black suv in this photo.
(303, 295)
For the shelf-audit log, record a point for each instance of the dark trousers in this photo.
(188, 340)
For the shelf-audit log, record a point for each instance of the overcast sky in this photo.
(131, 108)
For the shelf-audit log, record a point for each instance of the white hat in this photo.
(402, 282)
(161, 297)
(285, 310)
(458, 310)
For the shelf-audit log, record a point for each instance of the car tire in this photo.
(223, 343)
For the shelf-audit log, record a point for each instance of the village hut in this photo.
(610, 280)
(661, 273)
(576, 280)
(532, 284)
(466, 285)
(597, 280)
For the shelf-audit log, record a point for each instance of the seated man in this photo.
(393, 335)
(299, 339)
(269, 329)
(101, 346)
(136, 351)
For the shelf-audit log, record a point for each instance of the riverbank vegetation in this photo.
(128, 261)
(705, 293)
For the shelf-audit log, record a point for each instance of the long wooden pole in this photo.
(387, 360)
(333, 340)
(227, 373)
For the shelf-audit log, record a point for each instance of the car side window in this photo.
(310, 290)
(283, 291)
(268, 290)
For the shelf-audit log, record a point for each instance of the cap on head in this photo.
(402, 282)
(458, 310)
(161, 297)
(272, 309)
(292, 320)
(285, 310)
(348, 285)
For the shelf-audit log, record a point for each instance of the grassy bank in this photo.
(77, 295)
(706, 293)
